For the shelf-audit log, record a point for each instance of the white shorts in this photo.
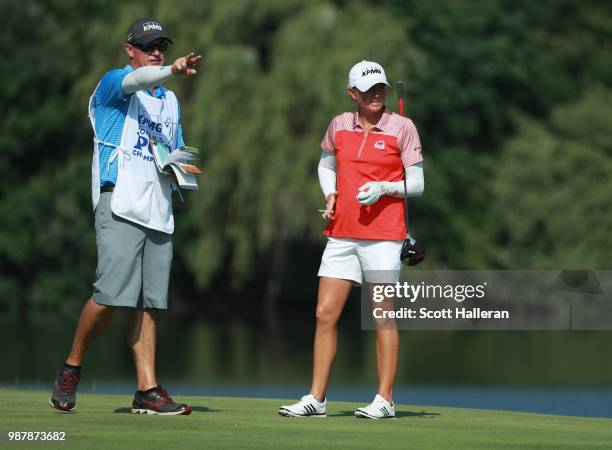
(351, 259)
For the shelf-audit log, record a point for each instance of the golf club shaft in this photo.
(400, 98)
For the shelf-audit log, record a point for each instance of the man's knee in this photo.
(99, 308)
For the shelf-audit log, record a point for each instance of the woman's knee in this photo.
(327, 316)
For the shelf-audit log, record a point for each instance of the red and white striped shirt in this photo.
(377, 155)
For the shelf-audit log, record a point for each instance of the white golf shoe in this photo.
(378, 409)
(308, 406)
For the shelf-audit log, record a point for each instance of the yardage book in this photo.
(176, 163)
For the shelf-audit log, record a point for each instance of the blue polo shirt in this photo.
(111, 110)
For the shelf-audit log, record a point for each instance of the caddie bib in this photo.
(141, 195)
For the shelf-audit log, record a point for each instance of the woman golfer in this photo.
(365, 156)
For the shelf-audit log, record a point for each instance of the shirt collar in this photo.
(380, 126)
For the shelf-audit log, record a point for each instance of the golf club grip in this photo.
(400, 98)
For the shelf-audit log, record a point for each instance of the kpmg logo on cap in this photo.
(151, 26)
(370, 71)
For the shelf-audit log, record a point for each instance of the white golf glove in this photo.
(370, 192)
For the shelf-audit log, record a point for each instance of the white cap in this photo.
(366, 74)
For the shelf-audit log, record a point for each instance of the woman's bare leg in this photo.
(332, 296)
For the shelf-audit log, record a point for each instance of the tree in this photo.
(552, 189)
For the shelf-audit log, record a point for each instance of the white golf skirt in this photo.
(359, 259)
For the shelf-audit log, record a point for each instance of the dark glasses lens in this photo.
(162, 46)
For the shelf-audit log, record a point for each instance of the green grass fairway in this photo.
(105, 422)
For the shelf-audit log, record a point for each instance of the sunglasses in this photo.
(162, 46)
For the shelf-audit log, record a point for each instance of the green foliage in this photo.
(552, 189)
(489, 62)
(509, 99)
(261, 190)
(46, 240)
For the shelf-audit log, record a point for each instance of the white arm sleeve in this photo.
(145, 78)
(327, 173)
(415, 182)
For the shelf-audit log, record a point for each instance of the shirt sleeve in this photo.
(410, 145)
(109, 92)
(327, 144)
(327, 173)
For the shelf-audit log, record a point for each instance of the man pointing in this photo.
(132, 204)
